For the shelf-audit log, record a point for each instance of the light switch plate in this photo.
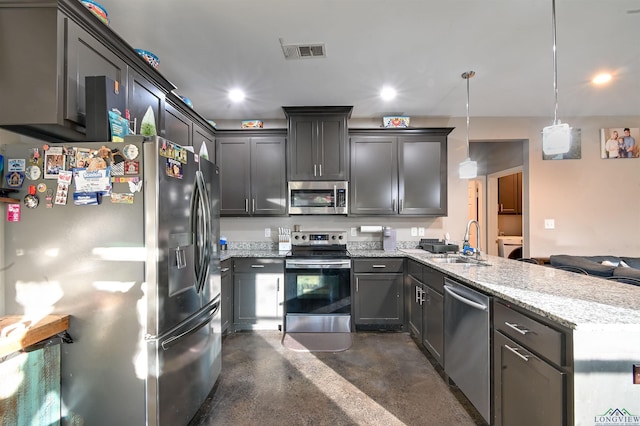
(267, 232)
(420, 232)
(549, 224)
(414, 231)
(354, 232)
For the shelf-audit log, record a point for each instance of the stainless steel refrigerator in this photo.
(140, 279)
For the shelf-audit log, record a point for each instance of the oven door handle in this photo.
(323, 264)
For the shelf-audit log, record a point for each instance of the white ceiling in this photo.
(420, 47)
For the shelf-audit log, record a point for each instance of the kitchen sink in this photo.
(459, 259)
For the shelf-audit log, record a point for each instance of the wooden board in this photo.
(18, 332)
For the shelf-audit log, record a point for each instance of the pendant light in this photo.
(556, 139)
(468, 169)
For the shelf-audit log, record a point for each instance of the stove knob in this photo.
(340, 237)
(333, 237)
(297, 237)
(304, 237)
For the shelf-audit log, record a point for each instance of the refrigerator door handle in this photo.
(207, 240)
(199, 214)
(174, 340)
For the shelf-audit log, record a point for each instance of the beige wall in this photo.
(592, 213)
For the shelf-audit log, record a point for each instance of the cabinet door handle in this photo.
(253, 205)
(257, 266)
(320, 168)
(278, 285)
(224, 269)
(246, 205)
(515, 327)
(314, 170)
(394, 205)
(378, 266)
(401, 204)
(357, 286)
(417, 294)
(515, 351)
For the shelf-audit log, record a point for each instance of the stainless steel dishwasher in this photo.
(466, 343)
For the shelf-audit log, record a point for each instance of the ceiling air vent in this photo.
(303, 50)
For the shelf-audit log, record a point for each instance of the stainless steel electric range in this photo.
(318, 283)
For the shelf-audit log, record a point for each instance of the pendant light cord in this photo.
(468, 117)
(555, 63)
(467, 75)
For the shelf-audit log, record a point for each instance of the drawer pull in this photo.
(515, 351)
(224, 269)
(257, 266)
(378, 266)
(515, 327)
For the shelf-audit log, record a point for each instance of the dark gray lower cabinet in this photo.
(226, 294)
(258, 293)
(531, 369)
(416, 290)
(378, 291)
(426, 307)
(529, 391)
(433, 313)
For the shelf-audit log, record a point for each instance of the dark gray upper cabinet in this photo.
(202, 136)
(142, 94)
(177, 126)
(252, 172)
(86, 56)
(399, 172)
(318, 148)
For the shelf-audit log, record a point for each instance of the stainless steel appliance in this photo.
(466, 343)
(315, 197)
(141, 282)
(318, 283)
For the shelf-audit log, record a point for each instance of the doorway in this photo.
(476, 210)
(505, 213)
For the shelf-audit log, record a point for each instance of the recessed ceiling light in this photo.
(236, 95)
(387, 93)
(602, 78)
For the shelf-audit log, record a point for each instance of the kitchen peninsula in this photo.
(595, 324)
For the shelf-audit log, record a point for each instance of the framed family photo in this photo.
(619, 142)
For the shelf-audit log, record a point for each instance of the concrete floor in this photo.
(384, 379)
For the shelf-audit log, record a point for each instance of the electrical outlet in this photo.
(549, 224)
(354, 232)
(414, 232)
(267, 232)
(421, 232)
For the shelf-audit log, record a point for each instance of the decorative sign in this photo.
(93, 181)
(13, 212)
(16, 165)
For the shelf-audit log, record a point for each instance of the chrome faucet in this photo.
(466, 237)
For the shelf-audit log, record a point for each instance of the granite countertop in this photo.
(573, 300)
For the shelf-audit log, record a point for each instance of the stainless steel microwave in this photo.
(319, 197)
